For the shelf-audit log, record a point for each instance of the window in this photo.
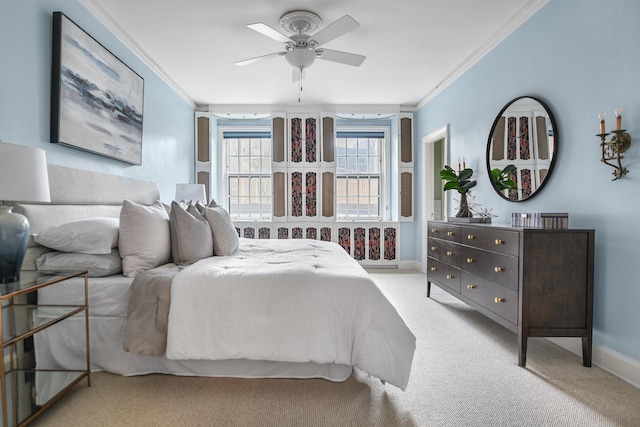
(359, 173)
(247, 157)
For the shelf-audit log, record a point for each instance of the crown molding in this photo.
(494, 41)
(98, 12)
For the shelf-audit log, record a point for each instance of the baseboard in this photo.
(611, 361)
(410, 265)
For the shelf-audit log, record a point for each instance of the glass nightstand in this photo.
(20, 382)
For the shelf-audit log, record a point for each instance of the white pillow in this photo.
(88, 236)
(225, 236)
(145, 241)
(98, 265)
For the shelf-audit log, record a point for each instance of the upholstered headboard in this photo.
(79, 194)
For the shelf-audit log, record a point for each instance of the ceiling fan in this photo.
(302, 48)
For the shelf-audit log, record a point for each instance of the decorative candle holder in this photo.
(612, 151)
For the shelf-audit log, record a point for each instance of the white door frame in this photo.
(428, 208)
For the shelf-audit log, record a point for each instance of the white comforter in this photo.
(288, 300)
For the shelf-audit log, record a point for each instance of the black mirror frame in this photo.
(555, 147)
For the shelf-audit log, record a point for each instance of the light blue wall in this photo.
(25, 96)
(580, 57)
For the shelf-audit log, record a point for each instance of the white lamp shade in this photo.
(23, 173)
(190, 192)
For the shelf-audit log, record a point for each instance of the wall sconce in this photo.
(612, 150)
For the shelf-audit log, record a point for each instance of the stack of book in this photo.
(540, 220)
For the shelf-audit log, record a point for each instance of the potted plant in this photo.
(502, 178)
(462, 183)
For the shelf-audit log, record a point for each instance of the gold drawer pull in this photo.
(449, 253)
(449, 233)
(471, 286)
(470, 237)
(450, 276)
(433, 269)
(499, 242)
(434, 230)
(469, 260)
(499, 300)
(433, 248)
(499, 269)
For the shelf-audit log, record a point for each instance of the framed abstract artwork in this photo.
(96, 99)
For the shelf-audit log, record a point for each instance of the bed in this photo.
(316, 314)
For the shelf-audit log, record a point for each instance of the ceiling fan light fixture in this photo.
(300, 58)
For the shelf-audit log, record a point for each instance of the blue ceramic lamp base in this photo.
(14, 236)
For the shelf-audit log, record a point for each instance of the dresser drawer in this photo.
(499, 299)
(496, 267)
(503, 241)
(441, 230)
(444, 274)
(445, 251)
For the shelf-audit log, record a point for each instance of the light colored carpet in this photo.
(465, 373)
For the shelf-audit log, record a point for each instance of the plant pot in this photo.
(464, 211)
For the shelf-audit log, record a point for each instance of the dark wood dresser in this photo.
(535, 282)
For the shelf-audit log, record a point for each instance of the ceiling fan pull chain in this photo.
(300, 84)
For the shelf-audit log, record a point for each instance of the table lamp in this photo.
(190, 193)
(23, 178)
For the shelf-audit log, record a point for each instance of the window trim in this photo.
(222, 164)
(385, 173)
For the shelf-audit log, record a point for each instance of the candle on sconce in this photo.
(618, 118)
(459, 164)
(464, 163)
(601, 117)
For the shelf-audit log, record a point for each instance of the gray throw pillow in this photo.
(144, 240)
(225, 236)
(191, 238)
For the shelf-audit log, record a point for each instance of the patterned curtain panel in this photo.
(264, 233)
(389, 243)
(511, 138)
(311, 194)
(325, 234)
(312, 233)
(296, 233)
(513, 194)
(374, 243)
(296, 140)
(525, 153)
(359, 244)
(344, 239)
(525, 182)
(296, 194)
(283, 233)
(311, 142)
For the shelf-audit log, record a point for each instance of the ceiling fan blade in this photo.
(336, 29)
(269, 32)
(341, 57)
(259, 58)
(296, 76)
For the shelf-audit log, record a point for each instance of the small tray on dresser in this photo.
(466, 220)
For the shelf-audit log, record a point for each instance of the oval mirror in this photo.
(521, 148)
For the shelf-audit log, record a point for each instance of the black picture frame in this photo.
(97, 101)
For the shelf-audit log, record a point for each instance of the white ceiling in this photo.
(413, 47)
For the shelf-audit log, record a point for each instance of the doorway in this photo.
(435, 202)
